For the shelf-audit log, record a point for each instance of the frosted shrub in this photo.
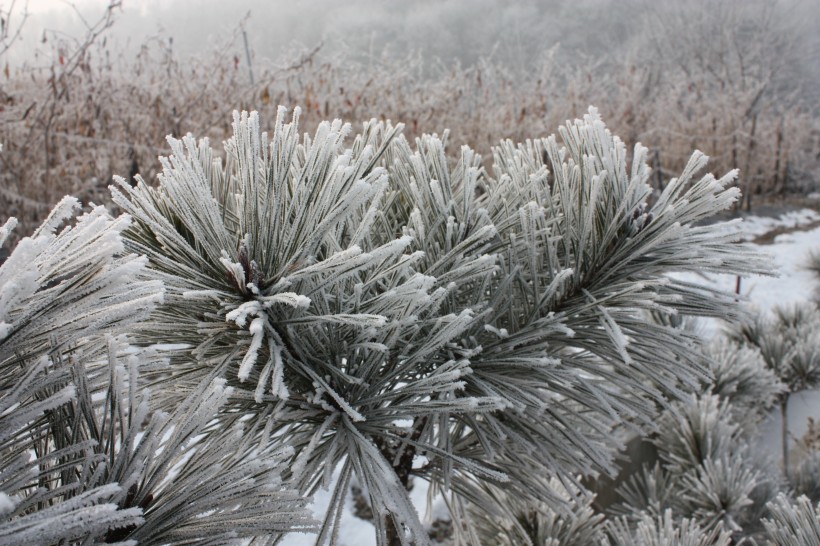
(665, 531)
(570, 520)
(793, 522)
(706, 471)
(789, 344)
(742, 379)
(806, 477)
(84, 455)
(396, 313)
(67, 127)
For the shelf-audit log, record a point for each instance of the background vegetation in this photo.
(359, 315)
(735, 80)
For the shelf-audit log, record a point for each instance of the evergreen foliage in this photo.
(793, 522)
(392, 313)
(376, 311)
(84, 455)
(572, 522)
(742, 379)
(56, 289)
(806, 477)
(706, 471)
(665, 531)
(789, 343)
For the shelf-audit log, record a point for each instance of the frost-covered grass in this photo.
(107, 114)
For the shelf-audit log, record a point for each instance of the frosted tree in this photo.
(789, 343)
(395, 313)
(84, 456)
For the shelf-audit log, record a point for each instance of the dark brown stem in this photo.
(784, 415)
(403, 466)
(393, 538)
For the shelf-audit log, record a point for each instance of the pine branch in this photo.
(368, 307)
(793, 522)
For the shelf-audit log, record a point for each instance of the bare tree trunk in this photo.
(740, 184)
(750, 187)
(784, 415)
(777, 153)
(403, 468)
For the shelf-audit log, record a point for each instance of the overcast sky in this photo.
(466, 29)
(514, 32)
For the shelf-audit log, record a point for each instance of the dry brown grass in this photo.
(69, 128)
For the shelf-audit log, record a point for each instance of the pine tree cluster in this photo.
(314, 311)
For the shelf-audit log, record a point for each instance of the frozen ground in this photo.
(788, 252)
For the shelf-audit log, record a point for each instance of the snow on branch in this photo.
(388, 303)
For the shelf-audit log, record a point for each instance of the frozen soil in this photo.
(783, 208)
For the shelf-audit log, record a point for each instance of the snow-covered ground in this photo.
(794, 284)
(789, 253)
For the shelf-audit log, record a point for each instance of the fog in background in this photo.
(82, 101)
(451, 29)
(516, 34)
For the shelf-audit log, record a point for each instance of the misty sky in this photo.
(466, 29)
(515, 33)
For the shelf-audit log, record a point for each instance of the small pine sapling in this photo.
(395, 313)
(789, 343)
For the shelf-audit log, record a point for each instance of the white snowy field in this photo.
(794, 284)
(788, 254)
